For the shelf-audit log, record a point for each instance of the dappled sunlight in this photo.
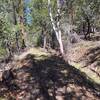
(86, 57)
(37, 52)
(50, 79)
(49, 50)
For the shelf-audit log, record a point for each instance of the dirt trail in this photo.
(50, 78)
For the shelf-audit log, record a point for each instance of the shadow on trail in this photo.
(52, 79)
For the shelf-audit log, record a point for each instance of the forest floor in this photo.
(85, 56)
(36, 75)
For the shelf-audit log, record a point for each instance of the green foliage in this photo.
(2, 52)
(7, 28)
(82, 8)
(39, 13)
(40, 17)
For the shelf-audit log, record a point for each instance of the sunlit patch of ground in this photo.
(37, 52)
(85, 56)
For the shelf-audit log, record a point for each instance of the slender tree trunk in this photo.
(15, 23)
(89, 27)
(87, 35)
(21, 17)
(56, 27)
(44, 34)
(44, 42)
(14, 13)
(83, 27)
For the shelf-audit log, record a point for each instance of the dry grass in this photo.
(37, 52)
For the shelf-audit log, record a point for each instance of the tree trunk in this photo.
(56, 27)
(15, 23)
(44, 42)
(21, 17)
(87, 35)
(89, 27)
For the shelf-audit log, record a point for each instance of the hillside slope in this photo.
(45, 77)
(86, 57)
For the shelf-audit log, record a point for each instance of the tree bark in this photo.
(88, 31)
(15, 23)
(56, 27)
(21, 22)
